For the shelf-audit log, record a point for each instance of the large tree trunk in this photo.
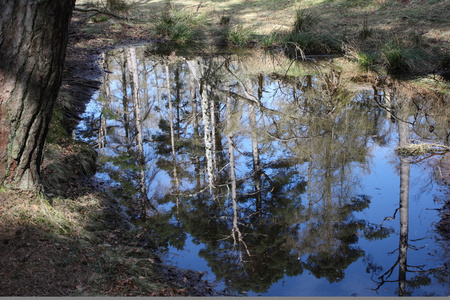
(33, 39)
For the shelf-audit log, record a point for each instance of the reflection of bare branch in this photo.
(288, 138)
(390, 218)
(260, 105)
(385, 276)
(377, 99)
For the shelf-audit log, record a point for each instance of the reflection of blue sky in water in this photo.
(376, 176)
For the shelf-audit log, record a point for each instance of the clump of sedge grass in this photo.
(307, 36)
(179, 25)
(305, 20)
(365, 61)
(270, 40)
(401, 60)
(238, 35)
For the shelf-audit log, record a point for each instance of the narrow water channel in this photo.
(276, 177)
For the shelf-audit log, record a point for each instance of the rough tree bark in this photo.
(33, 40)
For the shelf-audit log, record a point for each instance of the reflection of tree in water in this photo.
(264, 169)
(270, 211)
(401, 107)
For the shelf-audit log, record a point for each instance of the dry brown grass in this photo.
(368, 24)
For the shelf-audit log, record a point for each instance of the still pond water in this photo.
(275, 177)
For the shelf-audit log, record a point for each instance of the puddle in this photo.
(276, 177)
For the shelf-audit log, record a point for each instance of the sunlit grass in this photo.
(56, 217)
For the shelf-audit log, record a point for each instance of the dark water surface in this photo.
(277, 178)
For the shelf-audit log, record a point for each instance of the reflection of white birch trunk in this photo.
(207, 136)
(172, 132)
(195, 69)
(403, 134)
(133, 69)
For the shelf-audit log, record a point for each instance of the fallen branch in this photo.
(100, 12)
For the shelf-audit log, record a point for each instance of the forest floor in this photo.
(72, 240)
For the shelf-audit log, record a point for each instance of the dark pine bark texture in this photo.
(33, 40)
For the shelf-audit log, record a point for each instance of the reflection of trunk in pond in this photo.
(218, 159)
(404, 166)
(172, 134)
(157, 88)
(178, 84)
(196, 69)
(207, 135)
(255, 148)
(196, 133)
(235, 232)
(133, 70)
(126, 121)
(403, 134)
(106, 95)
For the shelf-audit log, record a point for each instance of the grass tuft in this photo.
(305, 20)
(307, 35)
(365, 61)
(179, 25)
(400, 60)
(238, 35)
